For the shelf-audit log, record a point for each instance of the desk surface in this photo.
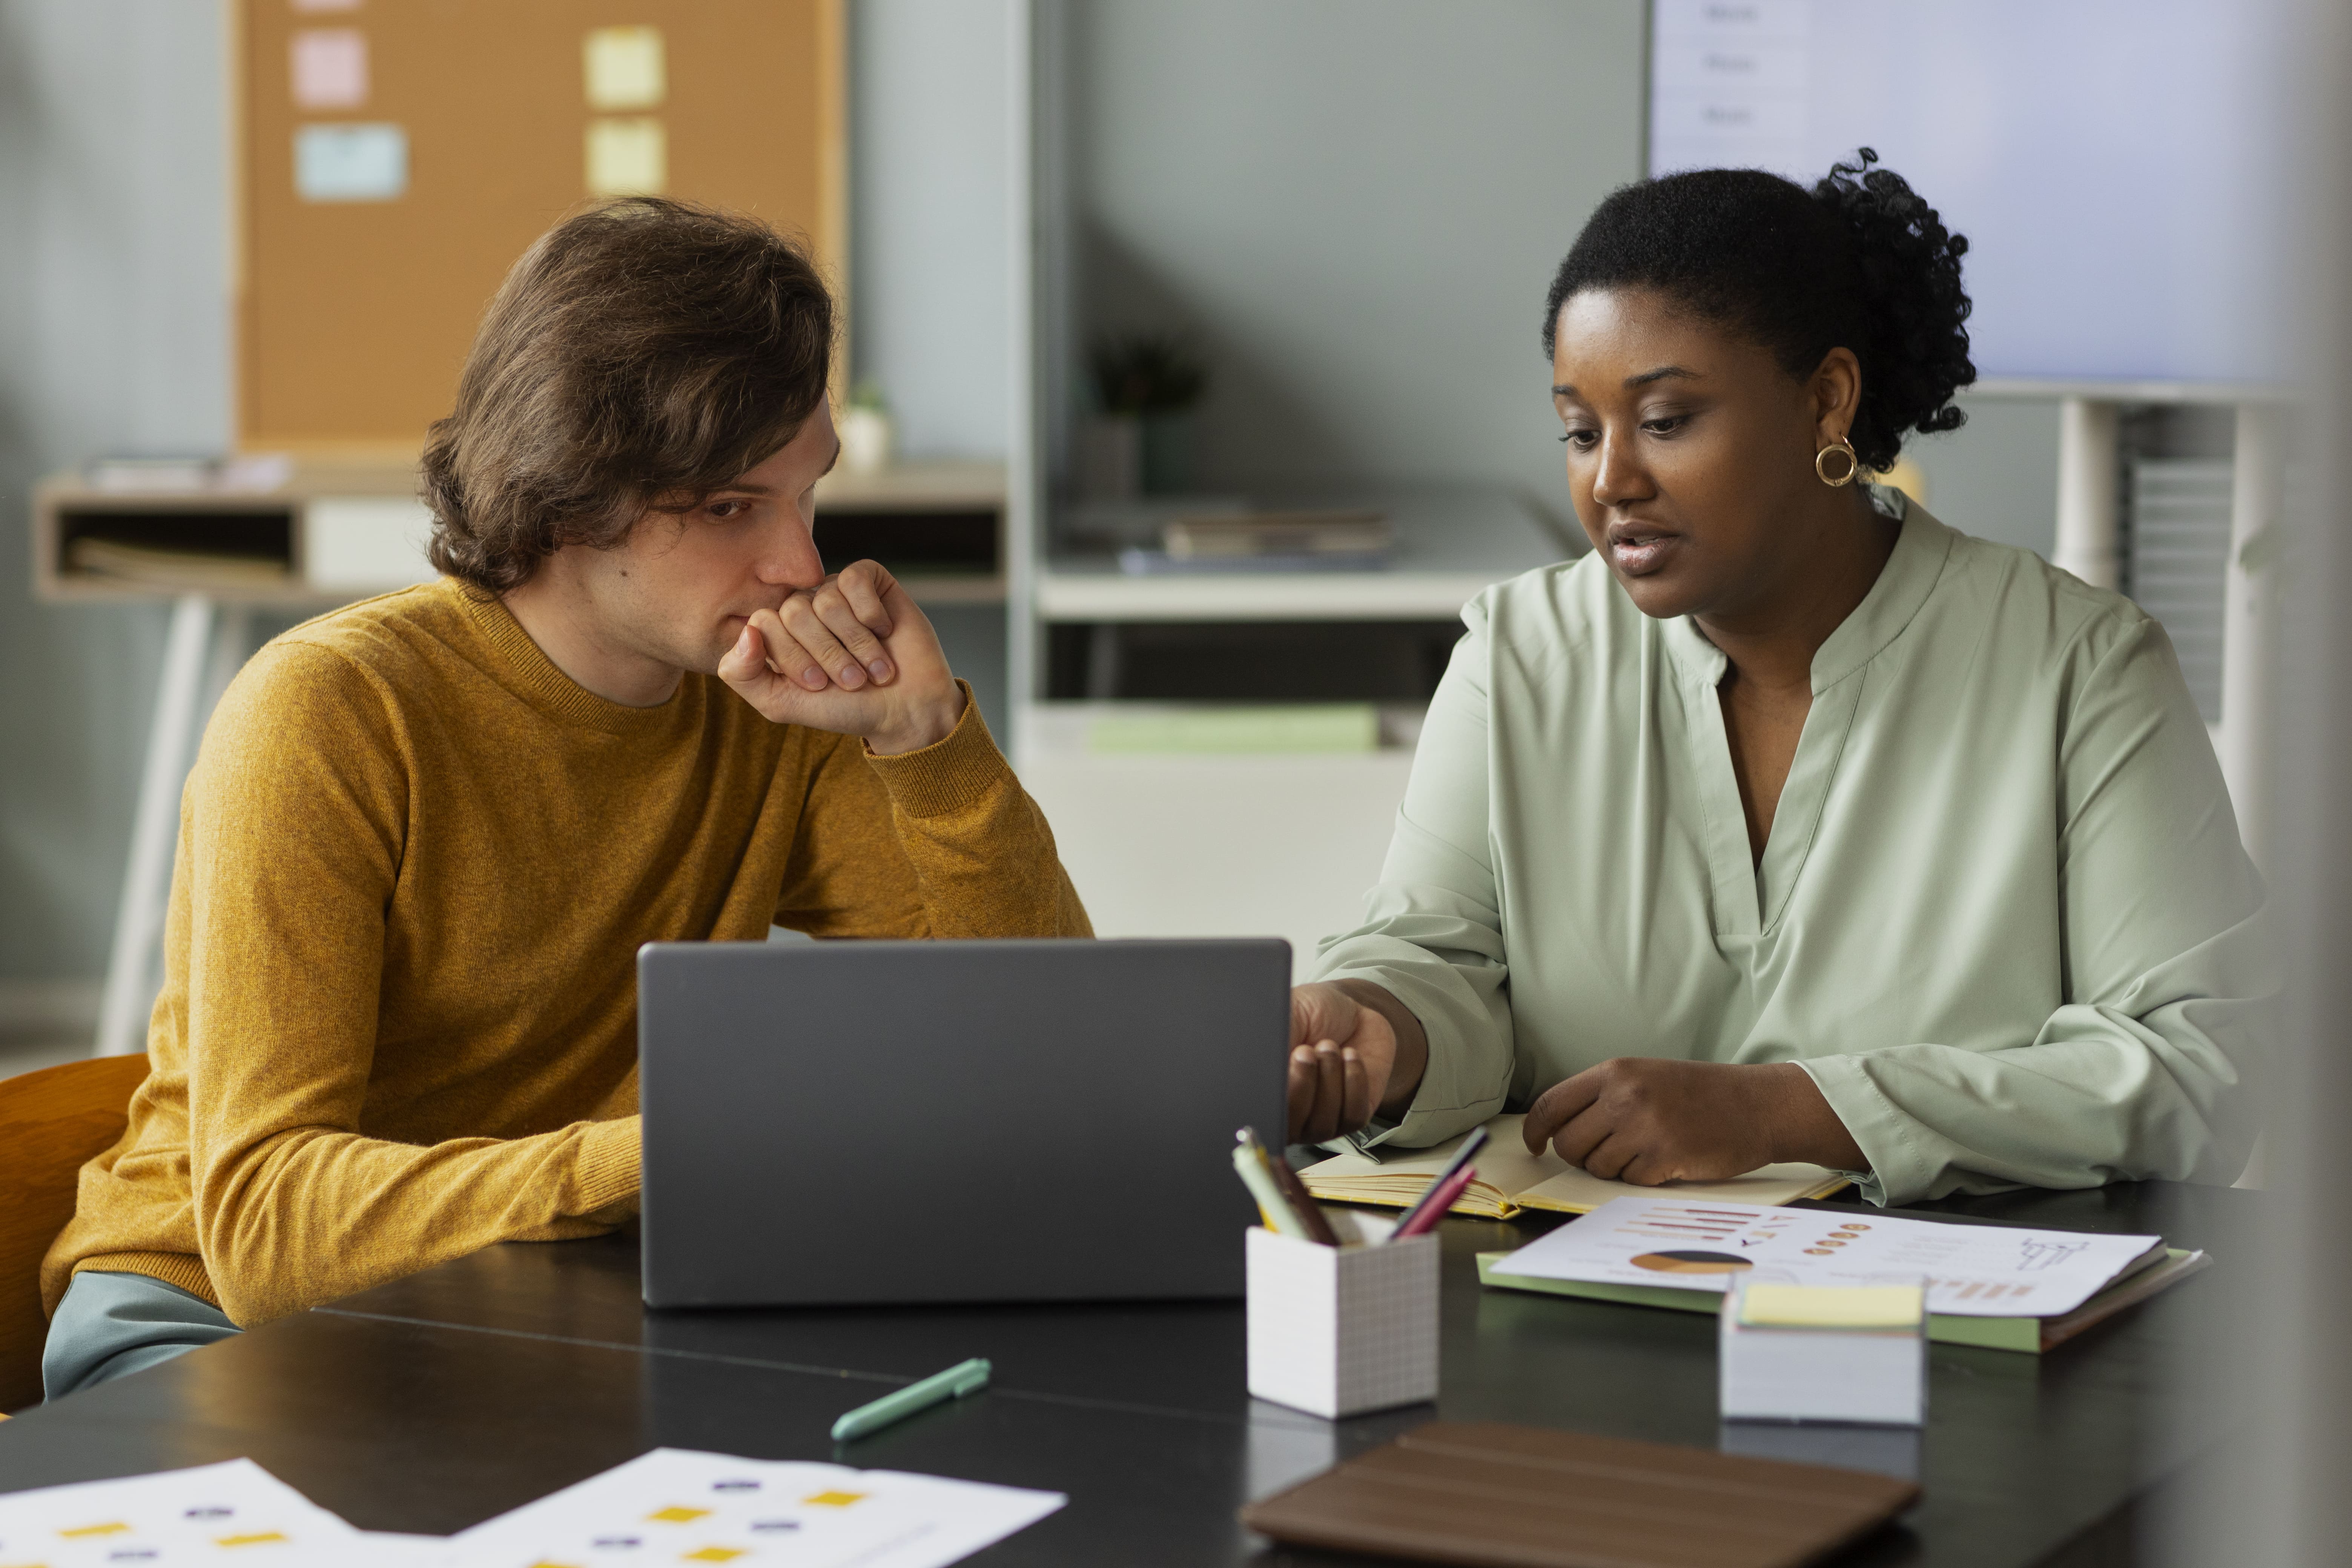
(439, 1400)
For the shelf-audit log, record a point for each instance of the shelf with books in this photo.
(1447, 546)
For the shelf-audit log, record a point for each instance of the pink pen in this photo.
(1431, 1209)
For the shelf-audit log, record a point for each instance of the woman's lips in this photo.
(1639, 554)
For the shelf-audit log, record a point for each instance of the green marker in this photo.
(964, 1377)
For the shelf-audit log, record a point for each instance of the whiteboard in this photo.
(2120, 167)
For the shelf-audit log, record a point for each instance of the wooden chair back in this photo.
(52, 1122)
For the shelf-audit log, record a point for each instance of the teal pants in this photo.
(111, 1325)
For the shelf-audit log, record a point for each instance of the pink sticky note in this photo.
(330, 68)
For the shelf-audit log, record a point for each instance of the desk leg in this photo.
(154, 834)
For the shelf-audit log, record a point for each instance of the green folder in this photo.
(2032, 1335)
(1323, 727)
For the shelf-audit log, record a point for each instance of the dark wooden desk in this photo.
(437, 1400)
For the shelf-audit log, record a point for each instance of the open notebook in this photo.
(1510, 1179)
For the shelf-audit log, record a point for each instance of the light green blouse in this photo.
(2004, 918)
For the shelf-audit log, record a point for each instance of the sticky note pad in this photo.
(1833, 1306)
(626, 68)
(627, 158)
(329, 68)
(350, 162)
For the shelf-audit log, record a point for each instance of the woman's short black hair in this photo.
(1860, 261)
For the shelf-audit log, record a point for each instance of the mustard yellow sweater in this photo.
(398, 1021)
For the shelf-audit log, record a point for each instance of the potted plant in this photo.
(1146, 387)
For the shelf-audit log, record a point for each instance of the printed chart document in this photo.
(218, 1515)
(1971, 1271)
(673, 1505)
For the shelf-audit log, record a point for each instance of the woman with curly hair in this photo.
(1791, 823)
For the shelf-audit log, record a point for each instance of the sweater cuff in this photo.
(175, 1269)
(611, 1165)
(947, 776)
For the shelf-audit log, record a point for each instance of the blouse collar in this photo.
(1903, 585)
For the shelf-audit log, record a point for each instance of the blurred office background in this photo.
(1343, 214)
(1349, 211)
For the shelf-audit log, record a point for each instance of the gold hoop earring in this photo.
(1853, 463)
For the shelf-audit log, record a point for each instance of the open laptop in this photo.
(915, 1121)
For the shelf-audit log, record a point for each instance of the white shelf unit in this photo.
(2088, 543)
(1195, 843)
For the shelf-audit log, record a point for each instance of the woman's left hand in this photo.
(1647, 1120)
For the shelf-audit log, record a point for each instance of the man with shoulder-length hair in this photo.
(426, 833)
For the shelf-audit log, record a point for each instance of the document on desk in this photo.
(210, 1514)
(1971, 1271)
(673, 1505)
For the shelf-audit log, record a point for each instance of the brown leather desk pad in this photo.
(1490, 1494)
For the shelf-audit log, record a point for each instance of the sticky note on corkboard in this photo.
(626, 67)
(330, 66)
(627, 158)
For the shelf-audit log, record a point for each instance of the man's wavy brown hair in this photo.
(641, 354)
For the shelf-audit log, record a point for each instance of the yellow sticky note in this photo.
(86, 1531)
(678, 1513)
(627, 158)
(259, 1537)
(835, 1500)
(716, 1555)
(1833, 1306)
(626, 67)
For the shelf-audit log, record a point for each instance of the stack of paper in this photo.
(188, 569)
(1511, 1179)
(1353, 533)
(1824, 1352)
(1268, 542)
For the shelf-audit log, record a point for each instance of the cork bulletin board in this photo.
(396, 156)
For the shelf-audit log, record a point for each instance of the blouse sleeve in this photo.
(1433, 932)
(2144, 1071)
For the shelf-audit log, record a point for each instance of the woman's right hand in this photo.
(1345, 1058)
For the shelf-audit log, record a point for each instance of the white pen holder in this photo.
(1338, 1331)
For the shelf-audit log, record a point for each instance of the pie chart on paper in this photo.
(1684, 1262)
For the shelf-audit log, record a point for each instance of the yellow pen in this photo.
(1272, 1208)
